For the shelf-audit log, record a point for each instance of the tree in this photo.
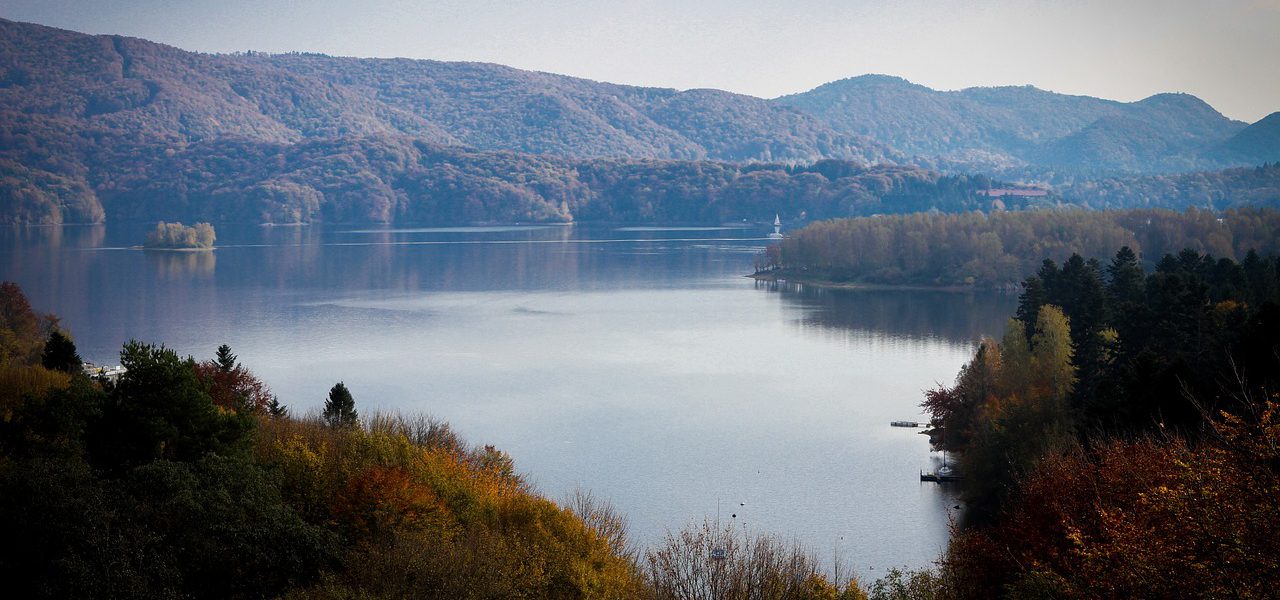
(60, 354)
(161, 410)
(1016, 372)
(231, 385)
(275, 409)
(1032, 298)
(21, 329)
(340, 407)
(1052, 353)
(1125, 278)
(226, 360)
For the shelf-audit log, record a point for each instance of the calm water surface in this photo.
(634, 362)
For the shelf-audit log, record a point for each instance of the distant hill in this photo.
(128, 86)
(99, 126)
(1259, 142)
(492, 107)
(1009, 127)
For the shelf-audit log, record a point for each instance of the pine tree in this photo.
(275, 409)
(226, 360)
(60, 354)
(340, 408)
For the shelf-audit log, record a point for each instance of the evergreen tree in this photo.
(159, 409)
(1125, 277)
(340, 407)
(275, 409)
(1126, 292)
(1029, 303)
(1261, 275)
(60, 354)
(226, 360)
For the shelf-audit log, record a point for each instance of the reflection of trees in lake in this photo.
(412, 260)
(179, 265)
(919, 314)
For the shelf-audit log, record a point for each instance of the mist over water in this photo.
(634, 362)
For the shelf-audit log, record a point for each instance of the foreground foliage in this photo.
(716, 561)
(1121, 440)
(177, 481)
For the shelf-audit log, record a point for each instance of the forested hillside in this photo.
(997, 249)
(395, 179)
(108, 127)
(1214, 190)
(1121, 439)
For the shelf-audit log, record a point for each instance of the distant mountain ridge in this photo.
(89, 123)
(1010, 127)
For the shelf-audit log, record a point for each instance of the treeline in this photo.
(998, 249)
(189, 479)
(1214, 190)
(395, 179)
(1121, 439)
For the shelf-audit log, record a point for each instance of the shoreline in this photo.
(833, 285)
(146, 249)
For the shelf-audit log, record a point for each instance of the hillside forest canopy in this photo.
(96, 128)
(996, 250)
(1120, 439)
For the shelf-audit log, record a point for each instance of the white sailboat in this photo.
(777, 228)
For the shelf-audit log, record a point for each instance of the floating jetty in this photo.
(943, 475)
(907, 424)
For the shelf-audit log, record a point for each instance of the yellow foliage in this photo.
(416, 513)
(20, 381)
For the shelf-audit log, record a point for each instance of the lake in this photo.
(635, 362)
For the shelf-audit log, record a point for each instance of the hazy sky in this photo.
(1226, 52)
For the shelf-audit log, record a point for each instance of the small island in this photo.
(176, 236)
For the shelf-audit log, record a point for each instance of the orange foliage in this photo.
(1140, 519)
(380, 500)
(234, 389)
(418, 513)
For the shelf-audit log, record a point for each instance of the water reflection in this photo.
(903, 315)
(178, 265)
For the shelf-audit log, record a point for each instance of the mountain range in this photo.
(93, 125)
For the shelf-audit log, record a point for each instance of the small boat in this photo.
(777, 228)
(944, 474)
(940, 477)
(906, 424)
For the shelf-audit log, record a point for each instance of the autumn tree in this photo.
(231, 385)
(22, 330)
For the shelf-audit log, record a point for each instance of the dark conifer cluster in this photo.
(1122, 406)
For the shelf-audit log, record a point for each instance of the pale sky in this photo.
(1227, 52)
